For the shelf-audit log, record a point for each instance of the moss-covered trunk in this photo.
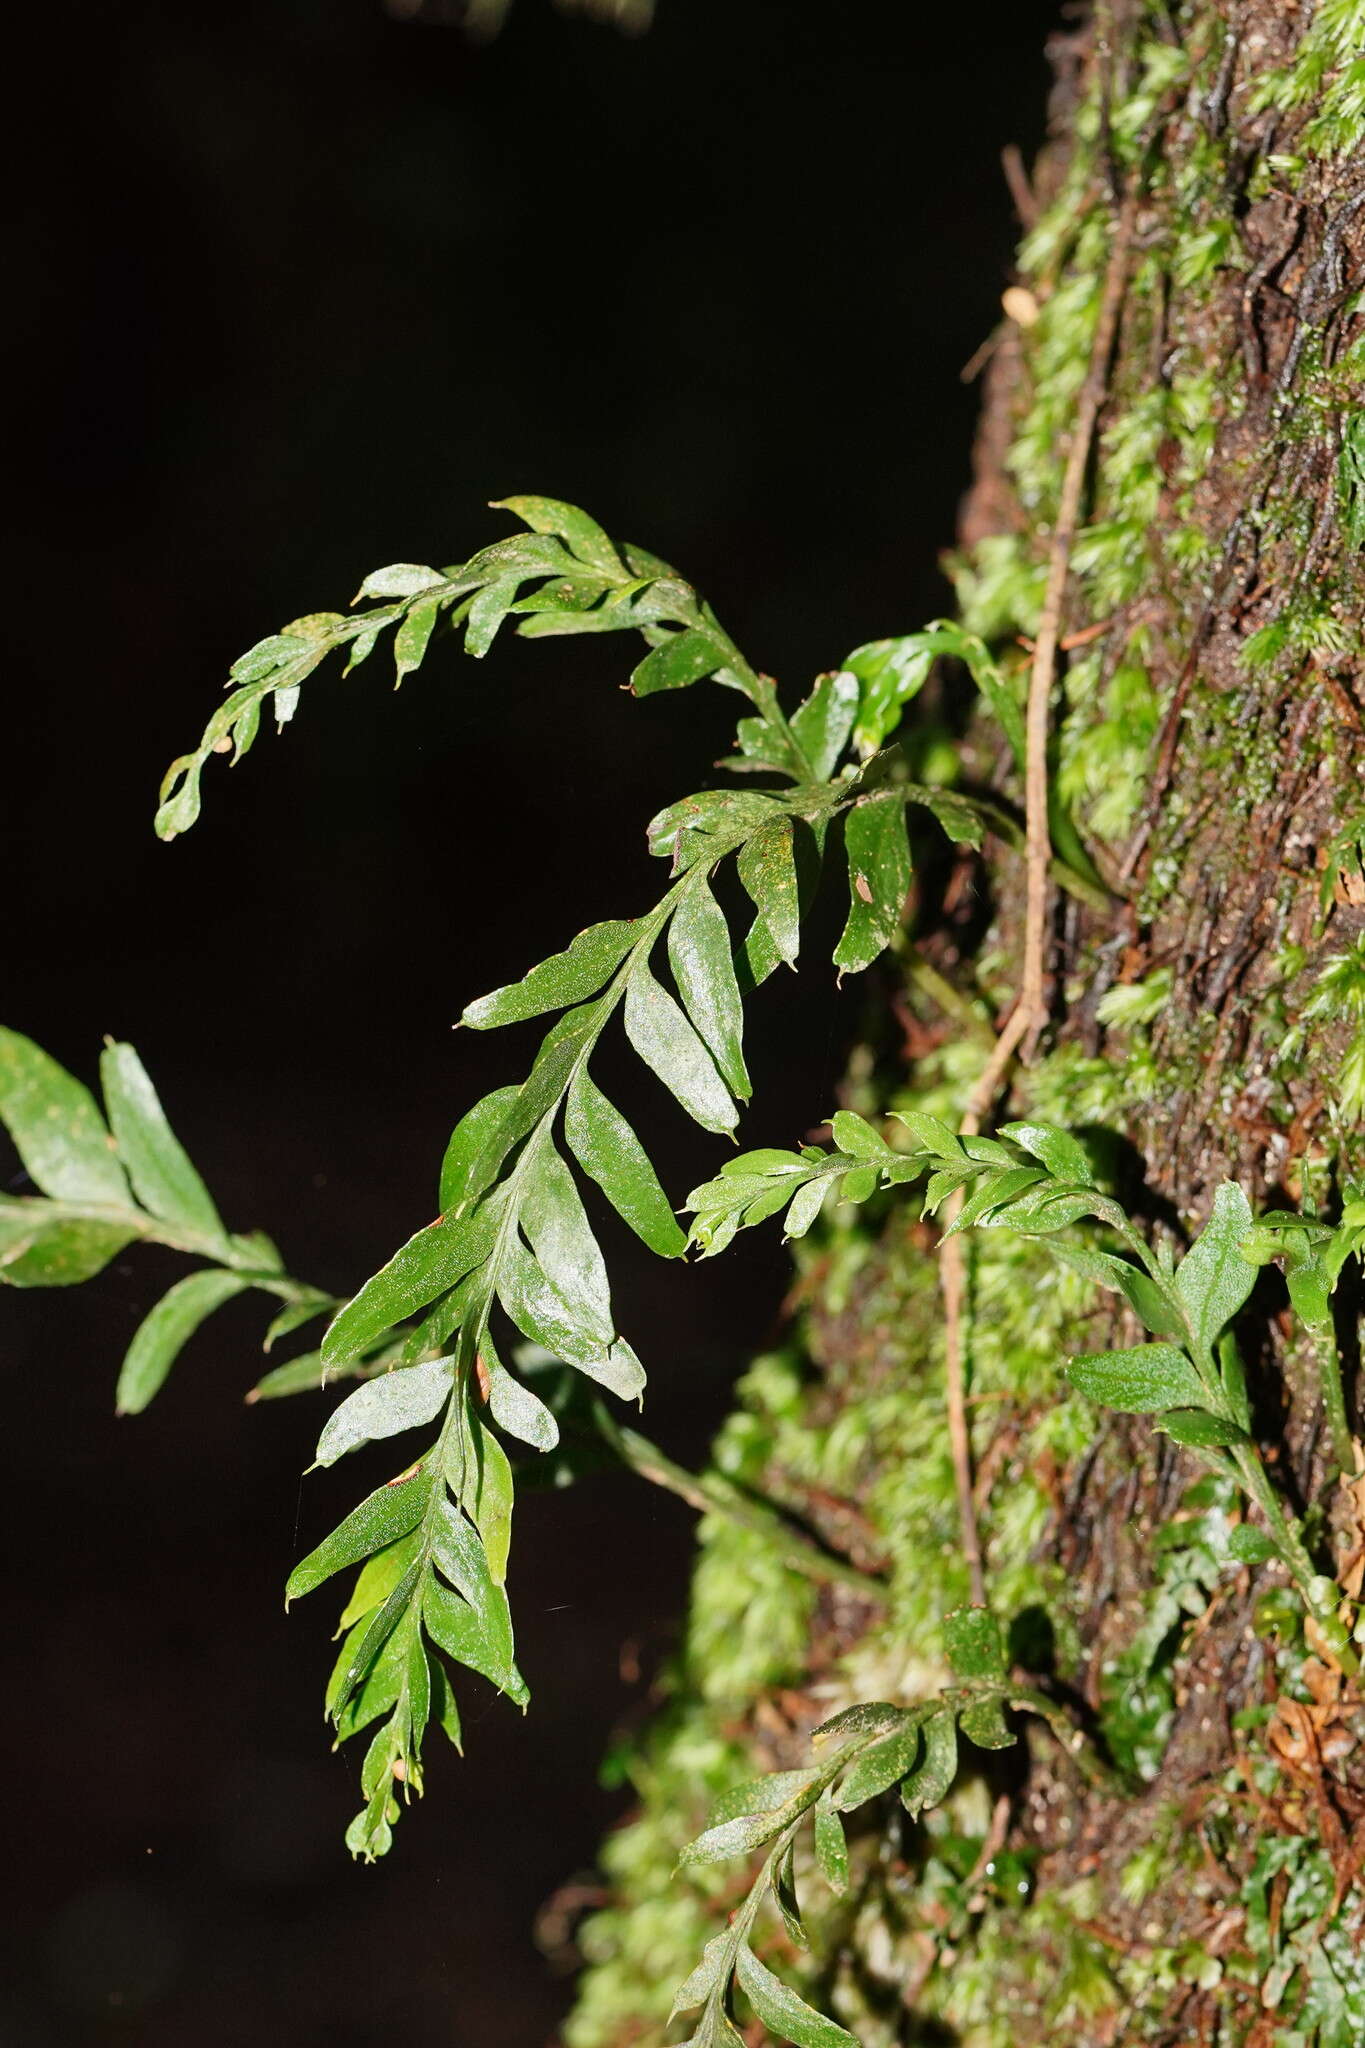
(1207, 1002)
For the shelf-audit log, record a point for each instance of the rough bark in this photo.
(1209, 726)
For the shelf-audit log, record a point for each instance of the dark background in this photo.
(295, 288)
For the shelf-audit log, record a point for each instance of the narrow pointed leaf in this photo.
(461, 1556)
(823, 723)
(554, 1219)
(162, 1334)
(381, 1518)
(1137, 1287)
(806, 1205)
(1198, 1430)
(697, 1987)
(517, 1410)
(399, 579)
(580, 533)
(1213, 1279)
(868, 1717)
(562, 980)
(884, 1764)
(42, 1244)
(403, 1399)
(666, 1042)
(541, 1312)
(931, 1778)
(782, 2012)
(468, 1142)
(423, 1268)
(1059, 1151)
(1141, 1381)
(831, 1849)
(606, 1147)
(489, 1499)
(411, 640)
(700, 954)
(681, 659)
(878, 853)
(487, 612)
(455, 1628)
(57, 1130)
(767, 868)
(158, 1165)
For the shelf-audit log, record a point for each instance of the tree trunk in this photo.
(1207, 1020)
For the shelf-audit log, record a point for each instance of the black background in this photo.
(295, 288)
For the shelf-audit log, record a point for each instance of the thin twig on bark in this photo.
(1029, 1014)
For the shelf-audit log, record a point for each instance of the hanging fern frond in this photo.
(512, 1244)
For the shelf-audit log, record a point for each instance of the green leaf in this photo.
(461, 1556)
(1058, 1150)
(161, 1335)
(516, 1409)
(767, 868)
(42, 1244)
(806, 1205)
(930, 1133)
(983, 1722)
(554, 1219)
(385, 1406)
(1142, 1381)
(699, 953)
(542, 1313)
(158, 1165)
(488, 611)
(1250, 1546)
(681, 659)
(868, 1717)
(736, 1837)
(491, 1497)
(562, 980)
(381, 1518)
(377, 1578)
(772, 1793)
(882, 1765)
(310, 1303)
(455, 1628)
(709, 1973)
(580, 533)
(620, 1372)
(782, 2012)
(831, 1849)
(975, 1646)
(1233, 1378)
(854, 1134)
(411, 640)
(606, 1147)
(1138, 1288)
(667, 1044)
(57, 1130)
(418, 1272)
(1213, 1279)
(1199, 1430)
(878, 879)
(1309, 1293)
(888, 673)
(399, 579)
(823, 723)
(932, 1777)
(471, 1141)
